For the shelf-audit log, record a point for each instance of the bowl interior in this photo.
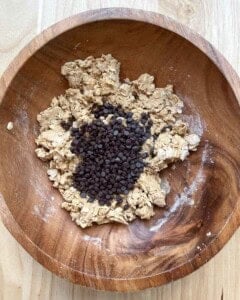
(204, 188)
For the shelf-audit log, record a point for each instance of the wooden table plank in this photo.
(23, 278)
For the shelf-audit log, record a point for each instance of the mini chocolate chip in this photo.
(108, 153)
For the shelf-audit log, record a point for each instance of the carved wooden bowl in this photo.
(203, 207)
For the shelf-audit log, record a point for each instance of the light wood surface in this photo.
(23, 278)
(174, 242)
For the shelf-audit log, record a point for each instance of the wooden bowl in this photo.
(203, 206)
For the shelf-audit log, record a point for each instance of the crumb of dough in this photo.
(9, 125)
(91, 82)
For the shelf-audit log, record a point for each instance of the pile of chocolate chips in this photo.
(111, 154)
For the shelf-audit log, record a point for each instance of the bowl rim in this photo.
(76, 276)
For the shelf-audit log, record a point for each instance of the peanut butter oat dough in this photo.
(96, 81)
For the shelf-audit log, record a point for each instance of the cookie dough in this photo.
(95, 81)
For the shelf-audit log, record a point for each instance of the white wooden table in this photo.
(23, 278)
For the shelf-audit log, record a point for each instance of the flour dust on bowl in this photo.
(201, 211)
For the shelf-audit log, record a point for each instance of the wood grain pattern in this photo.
(21, 27)
(143, 254)
(178, 290)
